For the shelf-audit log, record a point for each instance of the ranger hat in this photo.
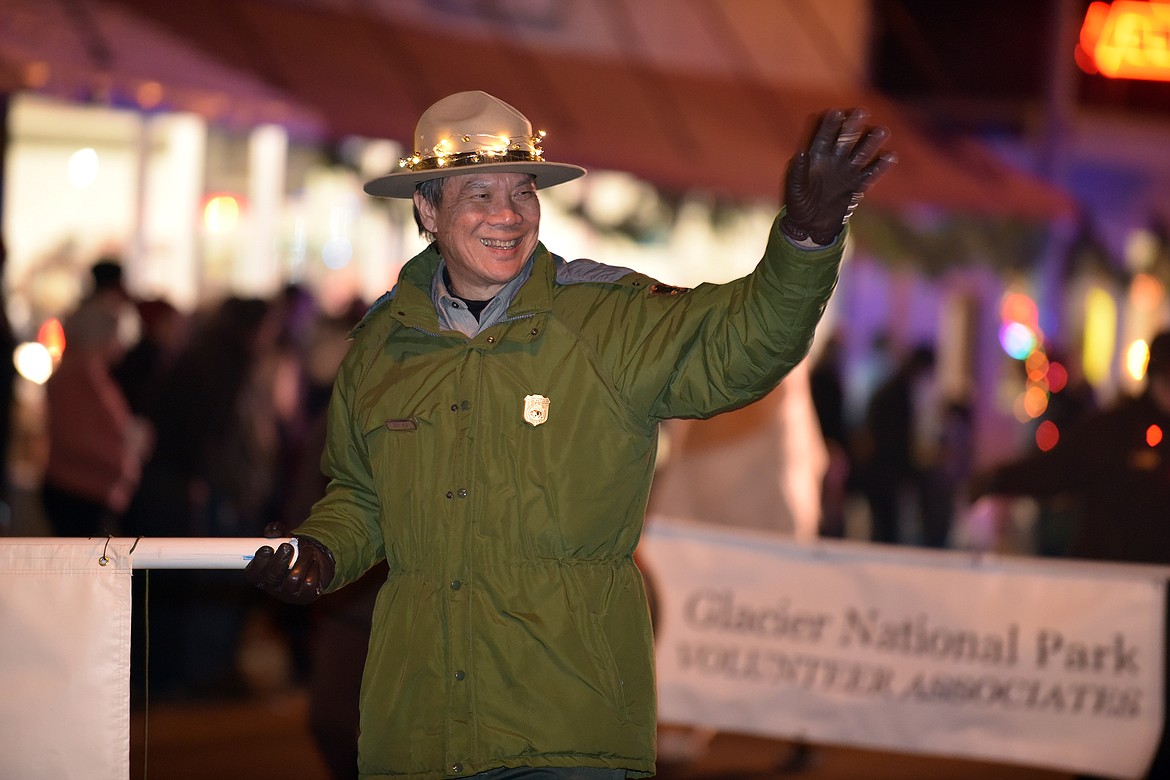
(467, 132)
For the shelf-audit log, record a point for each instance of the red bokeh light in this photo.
(1057, 377)
(1047, 435)
(52, 337)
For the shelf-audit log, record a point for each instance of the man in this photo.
(492, 437)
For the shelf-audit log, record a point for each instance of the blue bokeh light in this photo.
(1017, 339)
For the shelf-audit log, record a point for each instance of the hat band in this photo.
(469, 158)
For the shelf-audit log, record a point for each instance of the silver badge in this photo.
(535, 409)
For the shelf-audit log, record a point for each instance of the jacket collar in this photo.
(416, 300)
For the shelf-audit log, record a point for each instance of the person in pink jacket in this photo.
(96, 445)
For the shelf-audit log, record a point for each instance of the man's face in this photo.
(486, 227)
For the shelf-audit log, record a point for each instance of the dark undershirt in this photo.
(475, 307)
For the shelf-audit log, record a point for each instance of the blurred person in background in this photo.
(96, 444)
(887, 455)
(141, 371)
(1058, 516)
(298, 319)
(211, 474)
(492, 437)
(140, 375)
(828, 397)
(945, 467)
(107, 290)
(211, 471)
(1114, 466)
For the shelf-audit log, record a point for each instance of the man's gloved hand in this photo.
(301, 583)
(825, 182)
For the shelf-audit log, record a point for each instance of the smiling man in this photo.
(492, 437)
(487, 226)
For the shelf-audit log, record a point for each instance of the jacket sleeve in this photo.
(720, 346)
(345, 519)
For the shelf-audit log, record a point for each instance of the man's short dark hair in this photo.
(431, 191)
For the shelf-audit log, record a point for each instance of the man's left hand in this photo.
(826, 180)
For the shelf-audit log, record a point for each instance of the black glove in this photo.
(825, 182)
(301, 583)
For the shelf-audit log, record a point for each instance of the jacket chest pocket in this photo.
(404, 460)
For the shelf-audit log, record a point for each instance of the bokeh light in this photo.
(1035, 401)
(1017, 339)
(1137, 357)
(83, 167)
(1047, 435)
(149, 94)
(1036, 365)
(1154, 435)
(1100, 334)
(1057, 377)
(1018, 307)
(1146, 293)
(33, 362)
(221, 213)
(336, 253)
(1019, 332)
(51, 336)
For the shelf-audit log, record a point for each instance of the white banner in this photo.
(1026, 661)
(65, 660)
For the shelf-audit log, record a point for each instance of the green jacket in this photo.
(512, 629)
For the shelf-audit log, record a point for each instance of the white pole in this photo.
(163, 552)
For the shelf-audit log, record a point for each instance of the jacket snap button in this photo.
(456, 768)
(463, 492)
(459, 675)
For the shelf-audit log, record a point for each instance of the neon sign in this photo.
(1126, 39)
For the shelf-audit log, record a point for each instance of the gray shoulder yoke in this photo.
(584, 271)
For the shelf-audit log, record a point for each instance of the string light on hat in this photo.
(484, 148)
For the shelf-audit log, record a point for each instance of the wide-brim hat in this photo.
(468, 132)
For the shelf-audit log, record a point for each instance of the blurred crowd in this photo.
(159, 422)
(898, 449)
(1090, 479)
